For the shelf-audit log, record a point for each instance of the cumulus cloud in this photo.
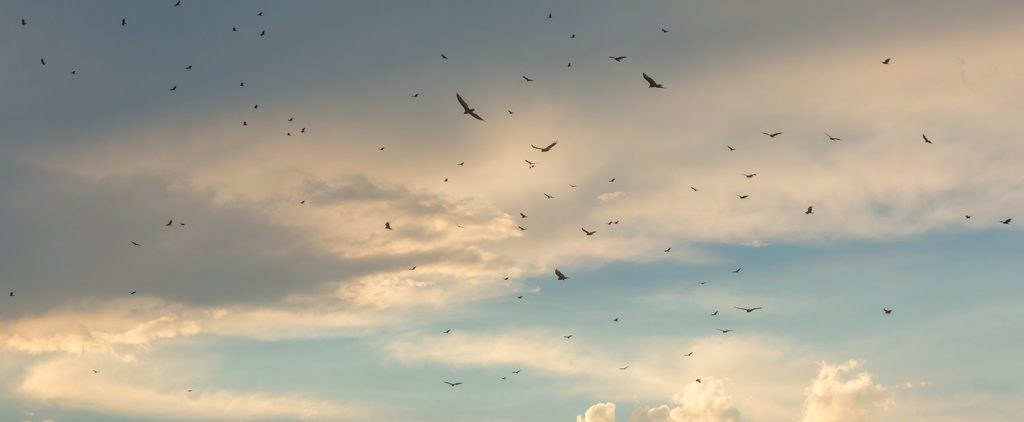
(600, 412)
(840, 395)
(705, 401)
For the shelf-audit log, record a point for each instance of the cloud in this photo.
(835, 397)
(600, 412)
(609, 196)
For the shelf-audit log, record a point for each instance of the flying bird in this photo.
(715, 313)
(545, 149)
(701, 283)
(688, 354)
(664, 31)
(519, 297)
(444, 56)
(11, 294)
(549, 16)
(521, 228)
(527, 79)
(133, 292)
(887, 311)
(810, 210)
(517, 371)
(1006, 221)
(521, 215)
(549, 196)
(380, 149)
(926, 140)
(43, 61)
(743, 196)
(749, 310)
(967, 217)
(572, 185)
(617, 58)
(560, 275)
(736, 271)
(651, 83)
(178, 3)
(724, 331)
(568, 336)
(624, 368)
(730, 148)
(466, 109)
(697, 380)
(749, 176)
(463, 163)
(773, 134)
(263, 32)
(136, 243)
(95, 371)
(412, 268)
(887, 60)
(189, 67)
(123, 22)
(832, 138)
(169, 222)
(667, 250)
(589, 233)
(387, 225)
(510, 112)
(174, 88)
(452, 383)
(572, 36)
(23, 23)
(416, 95)
(448, 331)
(694, 189)
(612, 180)
(616, 319)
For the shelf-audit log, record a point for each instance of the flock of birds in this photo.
(472, 112)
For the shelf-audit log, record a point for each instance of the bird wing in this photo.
(649, 80)
(559, 274)
(477, 116)
(551, 146)
(462, 102)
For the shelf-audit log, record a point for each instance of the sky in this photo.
(193, 208)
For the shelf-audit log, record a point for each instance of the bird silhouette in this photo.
(453, 384)
(416, 95)
(612, 180)
(572, 185)
(95, 371)
(701, 283)
(43, 61)
(688, 354)
(412, 268)
(448, 331)
(743, 196)
(773, 134)
(568, 337)
(23, 23)
(730, 148)
(886, 61)
(169, 222)
(724, 331)
(124, 22)
(1006, 221)
(887, 311)
(545, 149)
(967, 217)
(832, 138)
(521, 215)
(466, 109)
(810, 210)
(177, 3)
(589, 233)
(387, 225)
(616, 319)
(136, 243)
(651, 83)
(715, 313)
(444, 56)
(560, 275)
(694, 189)
(749, 310)
(749, 176)
(926, 140)
(617, 58)
(736, 271)
(624, 368)
(133, 292)
(462, 163)
(668, 250)
(548, 196)
(531, 163)
(302, 202)
(189, 67)
(174, 88)
(521, 228)
(517, 371)
(527, 79)
(697, 380)
(263, 32)
(664, 31)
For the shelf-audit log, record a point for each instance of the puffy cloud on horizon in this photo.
(705, 401)
(840, 395)
(600, 412)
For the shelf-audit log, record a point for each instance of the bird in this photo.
(255, 106)
(688, 354)
(234, 29)
(624, 368)
(169, 222)
(43, 61)
(303, 130)
(549, 196)
(832, 138)
(517, 371)
(926, 140)
(743, 196)
(136, 243)
(668, 250)
(617, 58)
(560, 275)
(133, 292)
(181, 224)
(381, 148)
(715, 313)
(463, 163)
(189, 67)
(302, 202)
(245, 123)
(730, 148)
(749, 176)
(749, 310)
(664, 31)
(887, 60)
(572, 36)
(569, 65)
(736, 271)
(589, 233)
(572, 185)
(527, 79)
(241, 84)
(616, 319)
(612, 180)
(549, 16)
(178, 3)
(448, 331)
(545, 149)
(189, 391)
(387, 225)
(568, 337)
(174, 88)
(773, 134)
(887, 311)
(651, 83)
(95, 371)
(11, 294)
(412, 268)
(521, 228)
(445, 179)
(694, 189)
(291, 119)
(810, 210)
(124, 22)
(521, 215)
(444, 56)
(724, 331)
(263, 32)
(259, 14)
(510, 112)
(466, 109)
(416, 95)
(23, 23)
(504, 378)
(1006, 221)
(697, 380)
(701, 283)
(967, 217)
(452, 383)
(519, 297)
(74, 72)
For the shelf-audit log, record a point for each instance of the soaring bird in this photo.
(572, 36)
(967, 217)
(43, 61)
(177, 3)
(568, 337)
(11, 294)
(664, 31)
(694, 189)
(174, 88)
(730, 148)
(832, 138)
(749, 176)
(95, 371)
(416, 95)
(531, 163)
(123, 22)
(381, 148)
(136, 243)
(519, 297)
(724, 331)
(810, 210)
(521, 215)
(444, 56)
(715, 313)
(412, 268)
(263, 32)
(651, 83)
(560, 275)
(667, 250)
(23, 23)
(743, 196)
(616, 319)
(624, 368)
(701, 283)
(189, 67)
(521, 228)
(773, 134)
(387, 225)
(448, 331)
(133, 292)
(589, 233)
(617, 58)
(234, 29)
(527, 79)
(887, 60)
(549, 16)
(926, 140)
(510, 112)
(302, 202)
(736, 271)
(462, 163)
(572, 185)
(169, 222)
(549, 196)
(697, 380)
(452, 383)
(545, 149)
(1006, 221)
(749, 310)
(466, 109)
(887, 311)
(517, 371)
(688, 354)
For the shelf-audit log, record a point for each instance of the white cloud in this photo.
(705, 401)
(836, 397)
(600, 412)
(609, 196)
